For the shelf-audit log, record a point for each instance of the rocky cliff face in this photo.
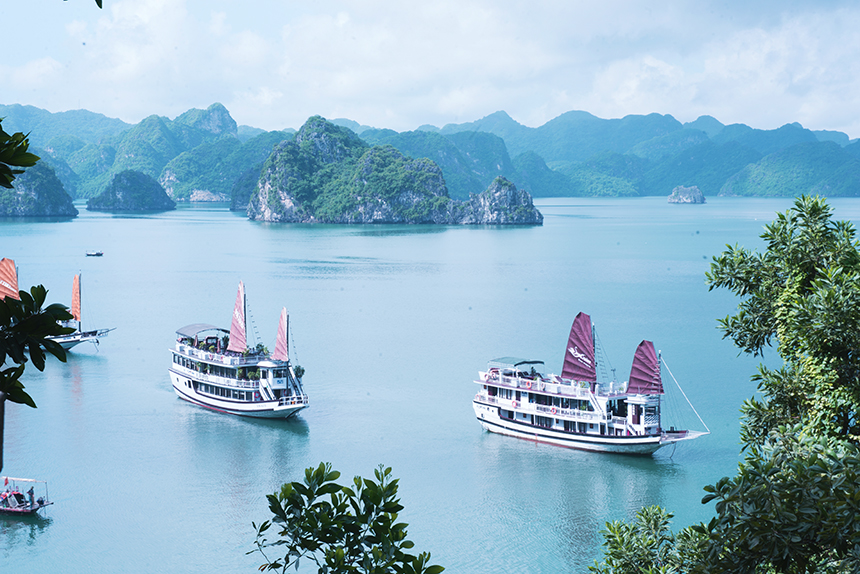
(132, 191)
(36, 193)
(500, 204)
(329, 175)
(683, 194)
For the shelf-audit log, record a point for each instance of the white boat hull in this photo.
(69, 341)
(488, 416)
(278, 409)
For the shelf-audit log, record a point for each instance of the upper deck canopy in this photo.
(512, 362)
(191, 331)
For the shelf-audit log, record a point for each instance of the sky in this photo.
(402, 64)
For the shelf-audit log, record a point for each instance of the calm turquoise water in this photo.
(392, 324)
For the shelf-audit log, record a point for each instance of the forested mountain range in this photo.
(203, 155)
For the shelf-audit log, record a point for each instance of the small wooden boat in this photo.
(15, 501)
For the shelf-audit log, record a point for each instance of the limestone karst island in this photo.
(482, 172)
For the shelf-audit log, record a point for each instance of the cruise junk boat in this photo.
(575, 410)
(222, 374)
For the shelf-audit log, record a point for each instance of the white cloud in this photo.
(401, 65)
(36, 74)
(644, 83)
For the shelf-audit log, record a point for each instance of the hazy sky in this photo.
(401, 64)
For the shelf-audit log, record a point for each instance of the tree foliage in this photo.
(14, 155)
(25, 328)
(340, 529)
(803, 293)
(793, 505)
(646, 545)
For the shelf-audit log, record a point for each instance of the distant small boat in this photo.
(95, 253)
(14, 501)
(79, 336)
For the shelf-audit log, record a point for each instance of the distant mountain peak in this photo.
(215, 119)
(331, 143)
(708, 124)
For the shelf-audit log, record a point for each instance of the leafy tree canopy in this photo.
(804, 293)
(24, 328)
(13, 155)
(793, 505)
(340, 529)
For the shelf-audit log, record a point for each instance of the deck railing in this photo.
(211, 357)
(218, 380)
(293, 400)
(554, 386)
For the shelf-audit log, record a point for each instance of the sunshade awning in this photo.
(192, 330)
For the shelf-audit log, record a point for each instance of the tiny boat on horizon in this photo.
(95, 253)
(214, 368)
(574, 410)
(14, 501)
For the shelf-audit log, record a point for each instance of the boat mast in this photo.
(596, 358)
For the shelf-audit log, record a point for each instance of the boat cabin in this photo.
(526, 396)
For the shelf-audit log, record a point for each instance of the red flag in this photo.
(7, 481)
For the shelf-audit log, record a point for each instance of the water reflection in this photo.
(22, 530)
(556, 500)
(30, 220)
(397, 230)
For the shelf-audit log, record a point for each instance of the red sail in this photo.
(8, 279)
(281, 347)
(76, 298)
(579, 364)
(645, 374)
(237, 327)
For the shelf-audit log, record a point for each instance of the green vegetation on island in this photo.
(795, 170)
(328, 174)
(36, 193)
(132, 191)
(23, 194)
